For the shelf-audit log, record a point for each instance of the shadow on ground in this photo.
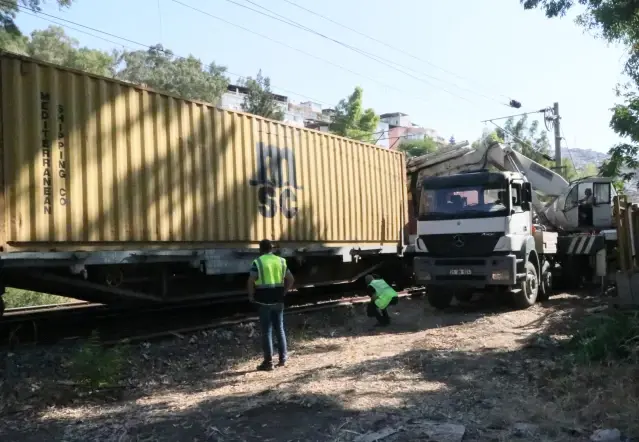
(192, 390)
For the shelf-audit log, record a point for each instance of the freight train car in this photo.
(112, 192)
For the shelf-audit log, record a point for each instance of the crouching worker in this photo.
(382, 295)
(269, 281)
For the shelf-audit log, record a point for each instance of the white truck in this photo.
(514, 229)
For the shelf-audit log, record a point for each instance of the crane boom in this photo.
(462, 158)
(475, 228)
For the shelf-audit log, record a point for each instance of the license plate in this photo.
(460, 272)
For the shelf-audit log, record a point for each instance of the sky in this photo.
(465, 58)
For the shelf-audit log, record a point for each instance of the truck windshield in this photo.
(463, 202)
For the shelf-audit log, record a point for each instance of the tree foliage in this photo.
(156, 67)
(571, 173)
(614, 21)
(352, 121)
(10, 8)
(160, 69)
(416, 148)
(527, 138)
(54, 46)
(487, 137)
(260, 100)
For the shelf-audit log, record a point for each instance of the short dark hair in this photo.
(266, 246)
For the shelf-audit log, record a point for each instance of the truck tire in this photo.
(440, 299)
(527, 296)
(545, 286)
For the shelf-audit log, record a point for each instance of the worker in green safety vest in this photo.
(382, 295)
(269, 281)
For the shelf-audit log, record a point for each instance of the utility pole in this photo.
(557, 137)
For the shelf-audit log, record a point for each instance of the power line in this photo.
(38, 15)
(30, 11)
(376, 40)
(386, 62)
(75, 29)
(301, 51)
(541, 111)
(516, 138)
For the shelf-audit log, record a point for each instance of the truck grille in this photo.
(461, 245)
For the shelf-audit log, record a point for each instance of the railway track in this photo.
(118, 324)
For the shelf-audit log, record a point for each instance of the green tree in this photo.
(487, 137)
(416, 148)
(157, 68)
(160, 69)
(10, 8)
(260, 100)
(352, 121)
(589, 169)
(615, 21)
(527, 138)
(15, 43)
(568, 170)
(54, 46)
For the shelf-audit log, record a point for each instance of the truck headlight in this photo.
(500, 275)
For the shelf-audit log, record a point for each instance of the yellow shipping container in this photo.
(91, 163)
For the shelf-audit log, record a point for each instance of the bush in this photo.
(96, 367)
(606, 337)
(15, 298)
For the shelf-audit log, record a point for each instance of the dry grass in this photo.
(595, 395)
(490, 370)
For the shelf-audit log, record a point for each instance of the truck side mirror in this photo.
(525, 206)
(527, 193)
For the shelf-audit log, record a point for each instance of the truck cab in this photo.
(587, 205)
(474, 231)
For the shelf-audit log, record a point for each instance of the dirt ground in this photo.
(483, 372)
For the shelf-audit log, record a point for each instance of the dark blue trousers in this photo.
(272, 317)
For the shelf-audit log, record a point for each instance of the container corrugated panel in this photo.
(91, 163)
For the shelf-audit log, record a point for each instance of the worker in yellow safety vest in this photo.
(269, 281)
(382, 295)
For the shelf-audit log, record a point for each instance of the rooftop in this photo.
(393, 114)
(234, 88)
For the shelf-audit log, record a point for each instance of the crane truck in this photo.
(490, 218)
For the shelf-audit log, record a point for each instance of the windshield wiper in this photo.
(472, 211)
(432, 216)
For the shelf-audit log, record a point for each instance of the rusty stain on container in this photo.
(92, 163)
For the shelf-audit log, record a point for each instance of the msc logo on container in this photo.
(276, 181)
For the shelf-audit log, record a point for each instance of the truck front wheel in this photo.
(440, 299)
(526, 296)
